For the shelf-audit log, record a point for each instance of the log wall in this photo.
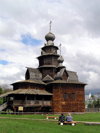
(75, 101)
(29, 86)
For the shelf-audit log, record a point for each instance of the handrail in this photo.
(31, 102)
(3, 106)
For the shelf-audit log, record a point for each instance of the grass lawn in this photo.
(38, 126)
(35, 125)
(91, 117)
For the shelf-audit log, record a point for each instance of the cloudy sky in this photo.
(75, 23)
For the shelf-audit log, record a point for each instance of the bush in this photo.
(1, 101)
(1, 90)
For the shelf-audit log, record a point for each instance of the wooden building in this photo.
(50, 86)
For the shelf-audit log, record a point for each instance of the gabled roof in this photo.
(60, 74)
(47, 78)
(33, 73)
(72, 76)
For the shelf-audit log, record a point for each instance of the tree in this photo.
(5, 88)
(97, 103)
(1, 90)
(93, 97)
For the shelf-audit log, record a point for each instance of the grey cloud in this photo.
(87, 67)
(90, 13)
(75, 25)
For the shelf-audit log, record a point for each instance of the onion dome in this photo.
(50, 37)
(60, 59)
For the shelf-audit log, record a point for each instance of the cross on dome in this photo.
(50, 26)
(60, 48)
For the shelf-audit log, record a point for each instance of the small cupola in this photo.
(50, 37)
(60, 60)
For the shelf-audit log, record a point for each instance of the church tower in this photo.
(48, 59)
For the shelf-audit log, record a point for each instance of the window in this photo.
(73, 96)
(65, 96)
(47, 72)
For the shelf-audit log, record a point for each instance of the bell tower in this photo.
(48, 58)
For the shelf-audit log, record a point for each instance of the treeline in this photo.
(94, 102)
(4, 89)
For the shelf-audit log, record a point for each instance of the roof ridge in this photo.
(47, 77)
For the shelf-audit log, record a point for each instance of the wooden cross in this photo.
(60, 48)
(50, 25)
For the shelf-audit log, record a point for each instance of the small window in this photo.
(47, 72)
(73, 96)
(65, 96)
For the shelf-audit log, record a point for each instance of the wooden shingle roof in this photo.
(60, 74)
(30, 81)
(27, 91)
(50, 46)
(5, 94)
(48, 54)
(48, 66)
(47, 78)
(66, 82)
(31, 91)
(72, 76)
(33, 73)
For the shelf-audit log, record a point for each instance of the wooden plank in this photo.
(68, 123)
(51, 117)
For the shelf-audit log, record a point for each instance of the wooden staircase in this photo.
(3, 106)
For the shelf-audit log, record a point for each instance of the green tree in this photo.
(5, 88)
(1, 90)
(93, 97)
(97, 103)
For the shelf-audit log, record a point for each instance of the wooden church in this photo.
(50, 87)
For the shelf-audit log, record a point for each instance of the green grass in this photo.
(37, 126)
(91, 117)
(31, 116)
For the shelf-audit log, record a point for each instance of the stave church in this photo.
(48, 88)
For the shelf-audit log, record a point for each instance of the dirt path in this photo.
(85, 122)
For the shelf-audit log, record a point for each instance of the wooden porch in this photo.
(31, 103)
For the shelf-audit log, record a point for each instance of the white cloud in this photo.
(75, 25)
